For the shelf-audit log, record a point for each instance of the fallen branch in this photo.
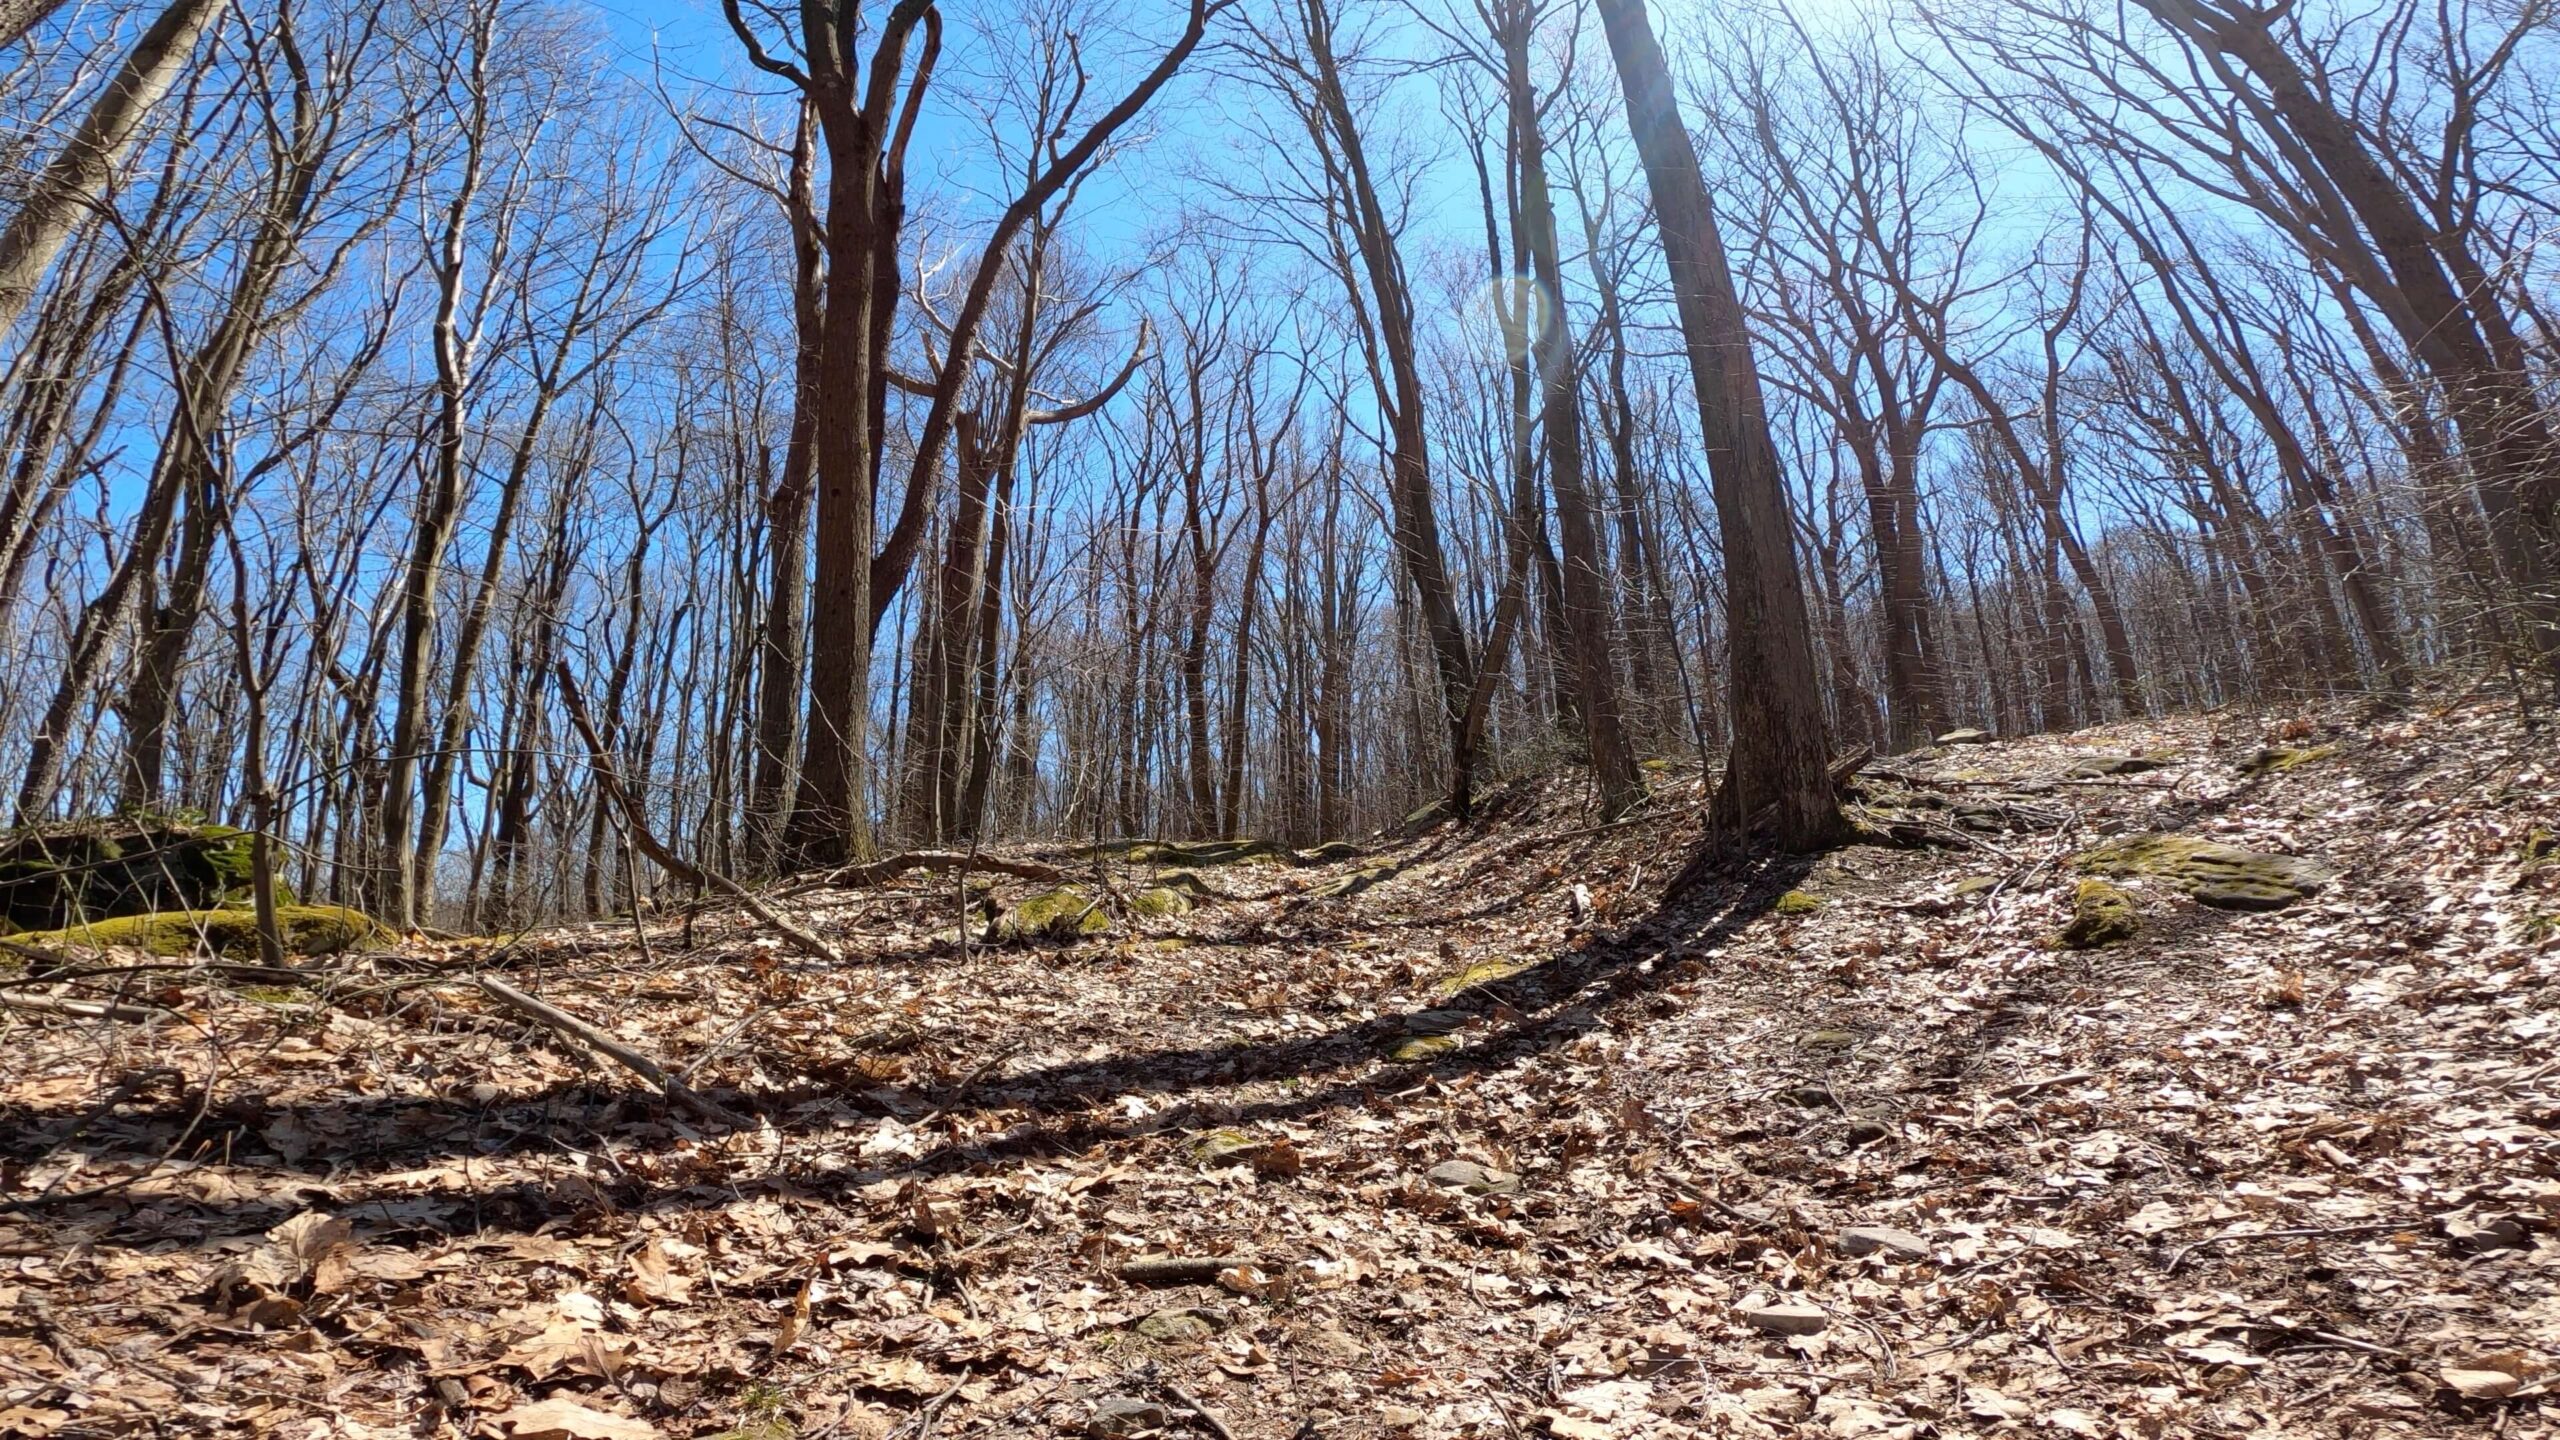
(1180, 1269)
(180, 970)
(880, 872)
(76, 1009)
(2234, 1237)
(609, 779)
(1208, 1417)
(603, 1044)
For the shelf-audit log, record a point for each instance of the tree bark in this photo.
(1777, 771)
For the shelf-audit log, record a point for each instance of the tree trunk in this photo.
(77, 178)
(1777, 771)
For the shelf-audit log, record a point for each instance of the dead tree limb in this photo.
(603, 1044)
(609, 779)
(76, 1009)
(880, 872)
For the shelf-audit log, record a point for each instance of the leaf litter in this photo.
(1487, 1145)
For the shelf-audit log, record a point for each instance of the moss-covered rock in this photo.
(1331, 852)
(1345, 886)
(68, 872)
(1423, 1048)
(231, 932)
(1160, 902)
(1189, 884)
(1798, 902)
(1972, 885)
(2541, 846)
(1966, 737)
(1065, 913)
(2101, 915)
(1483, 972)
(2223, 876)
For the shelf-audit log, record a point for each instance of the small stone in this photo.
(1830, 1039)
(1866, 1132)
(1784, 1319)
(2101, 915)
(1227, 1147)
(1116, 1417)
(1473, 1178)
(1896, 1244)
(1437, 1022)
(1179, 1327)
(1807, 1097)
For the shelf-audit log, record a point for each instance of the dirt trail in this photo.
(1484, 1145)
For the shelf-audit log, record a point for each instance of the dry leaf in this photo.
(2481, 1384)
(558, 1419)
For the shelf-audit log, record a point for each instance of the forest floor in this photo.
(1496, 1146)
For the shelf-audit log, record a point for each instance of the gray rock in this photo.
(1473, 1178)
(1896, 1244)
(1806, 1097)
(1179, 1327)
(1866, 1132)
(1965, 737)
(1117, 1417)
(1784, 1319)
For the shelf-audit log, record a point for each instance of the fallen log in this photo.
(880, 872)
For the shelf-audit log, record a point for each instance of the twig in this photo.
(1207, 1416)
(603, 1044)
(2228, 1237)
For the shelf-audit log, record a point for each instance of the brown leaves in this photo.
(560, 1419)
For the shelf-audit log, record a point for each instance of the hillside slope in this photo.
(1462, 1135)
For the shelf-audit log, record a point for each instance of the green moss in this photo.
(307, 930)
(2540, 844)
(1422, 1048)
(2101, 915)
(2276, 759)
(1798, 902)
(1160, 902)
(2224, 876)
(1484, 972)
(1065, 913)
(1189, 884)
(2540, 929)
(62, 873)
